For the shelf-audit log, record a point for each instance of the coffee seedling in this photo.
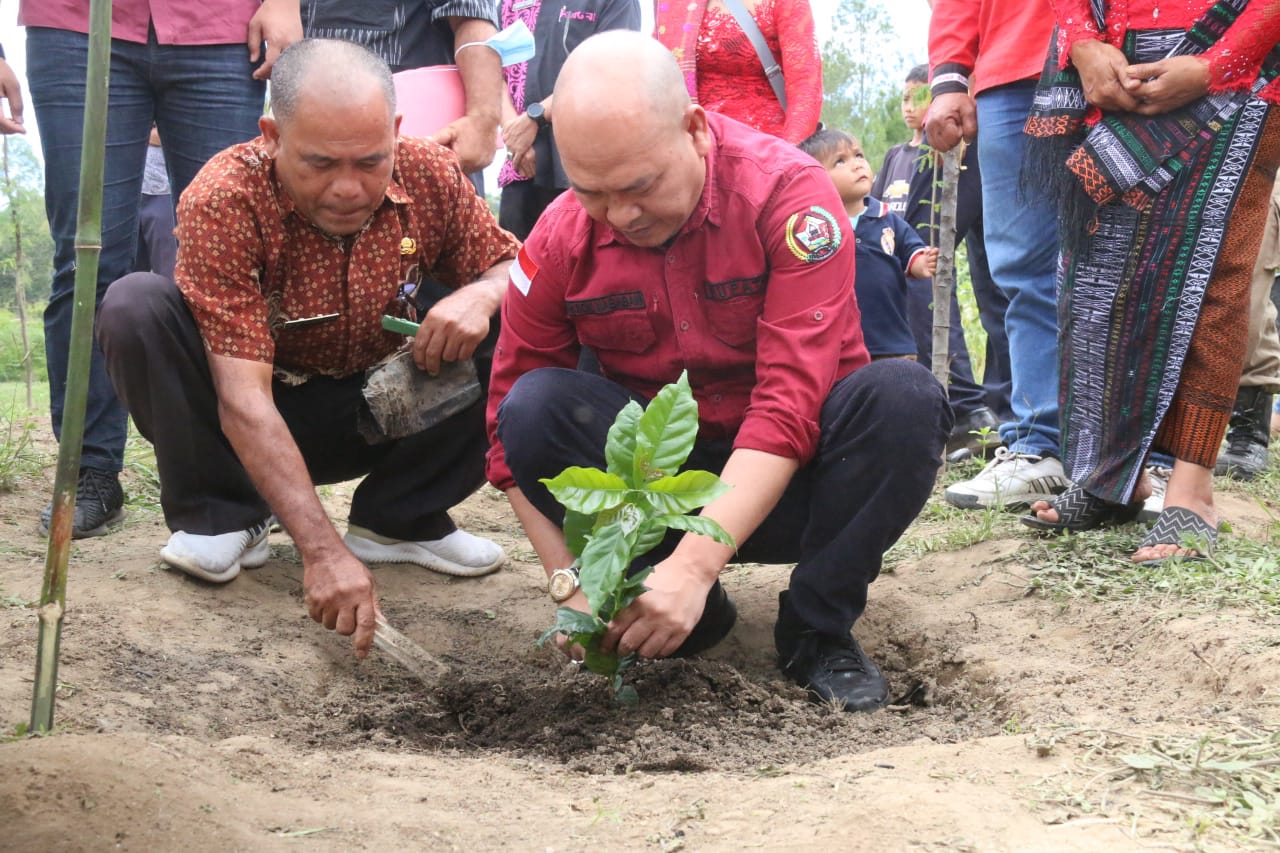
(616, 515)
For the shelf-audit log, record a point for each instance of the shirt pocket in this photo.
(625, 331)
(734, 321)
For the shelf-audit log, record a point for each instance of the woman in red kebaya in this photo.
(724, 73)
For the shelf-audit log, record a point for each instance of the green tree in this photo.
(862, 71)
(27, 199)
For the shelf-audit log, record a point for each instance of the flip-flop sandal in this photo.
(1078, 510)
(1180, 526)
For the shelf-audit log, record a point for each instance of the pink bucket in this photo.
(428, 98)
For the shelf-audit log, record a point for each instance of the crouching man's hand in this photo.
(340, 594)
(656, 623)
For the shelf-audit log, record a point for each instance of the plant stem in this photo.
(53, 594)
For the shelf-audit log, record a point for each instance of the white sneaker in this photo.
(218, 559)
(1154, 504)
(459, 553)
(1010, 480)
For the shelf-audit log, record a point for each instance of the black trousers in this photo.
(158, 366)
(882, 433)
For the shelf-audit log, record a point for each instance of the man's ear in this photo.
(695, 124)
(270, 133)
(395, 125)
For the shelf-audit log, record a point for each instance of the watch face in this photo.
(536, 112)
(562, 585)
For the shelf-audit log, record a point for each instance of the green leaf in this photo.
(599, 662)
(648, 538)
(666, 432)
(684, 492)
(697, 524)
(604, 562)
(577, 527)
(570, 622)
(620, 448)
(632, 588)
(627, 695)
(587, 490)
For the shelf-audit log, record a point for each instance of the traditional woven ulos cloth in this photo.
(1162, 218)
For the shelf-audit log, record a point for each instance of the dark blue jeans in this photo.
(202, 98)
(882, 432)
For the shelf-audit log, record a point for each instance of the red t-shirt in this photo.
(753, 296)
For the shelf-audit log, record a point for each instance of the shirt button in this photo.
(716, 398)
(684, 325)
(817, 315)
(671, 259)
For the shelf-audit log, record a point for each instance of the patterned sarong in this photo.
(1145, 202)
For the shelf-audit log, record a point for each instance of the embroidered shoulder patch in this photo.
(813, 235)
(523, 271)
(887, 241)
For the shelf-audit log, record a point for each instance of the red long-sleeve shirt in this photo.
(753, 296)
(997, 41)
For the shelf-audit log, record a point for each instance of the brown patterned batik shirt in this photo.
(262, 282)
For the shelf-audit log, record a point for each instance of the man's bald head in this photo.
(620, 74)
(632, 143)
(329, 70)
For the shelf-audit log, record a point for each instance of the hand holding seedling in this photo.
(614, 516)
(656, 623)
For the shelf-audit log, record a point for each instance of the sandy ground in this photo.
(194, 717)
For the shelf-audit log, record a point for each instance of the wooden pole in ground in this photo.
(19, 288)
(53, 595)
(945, 278)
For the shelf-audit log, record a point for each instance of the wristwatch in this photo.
(563, 583)
(538, 113)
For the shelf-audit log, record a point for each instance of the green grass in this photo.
(1244, 572)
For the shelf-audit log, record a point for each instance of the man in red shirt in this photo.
(248, 375)
(691, 242)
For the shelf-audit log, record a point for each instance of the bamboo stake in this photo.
(53, 596)
(944, 278)
(19, 289)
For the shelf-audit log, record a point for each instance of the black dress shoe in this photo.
(834, 669)
(718, 618)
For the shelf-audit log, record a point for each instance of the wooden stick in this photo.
(944, 278)
(53, 596)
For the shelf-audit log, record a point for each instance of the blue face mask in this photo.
(514, 44)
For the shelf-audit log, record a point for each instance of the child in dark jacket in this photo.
(888, 249)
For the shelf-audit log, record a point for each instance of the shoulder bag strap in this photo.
(772, 69)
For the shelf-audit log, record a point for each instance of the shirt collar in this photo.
(875, 209)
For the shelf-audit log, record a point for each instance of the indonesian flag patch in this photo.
(523, 271)
(813, 235)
